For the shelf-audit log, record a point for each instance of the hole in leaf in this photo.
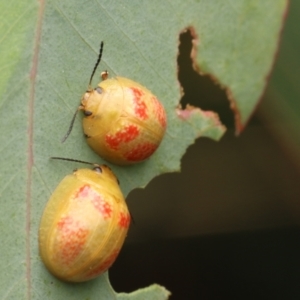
(200, 91)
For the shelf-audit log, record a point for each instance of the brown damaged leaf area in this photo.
(196, 67)
(192, 111)
(186, 113)
(240, 124)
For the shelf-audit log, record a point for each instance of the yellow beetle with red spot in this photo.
(84, 225)
(124, 122)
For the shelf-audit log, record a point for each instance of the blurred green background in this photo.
(228, 224)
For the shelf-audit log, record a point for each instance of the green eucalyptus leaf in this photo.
(48, 50)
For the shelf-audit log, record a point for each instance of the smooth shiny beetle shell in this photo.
(124, 122)
(84, 225)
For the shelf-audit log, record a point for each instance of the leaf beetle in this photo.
(123, 121)
(84, 224)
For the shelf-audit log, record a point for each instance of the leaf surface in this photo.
(48, 50)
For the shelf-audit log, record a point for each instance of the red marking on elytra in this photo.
(124, 220)
(71, 239)
(159, 112)
(104, 266)
(140, 107)
(102, 206)
(124, 135)
(83, 191)
(86, 193)
(141, 151)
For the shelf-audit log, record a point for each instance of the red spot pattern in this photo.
(104, 266)
(86, 193)
(72, 239)
(125, 135)
(141, 152)
(159, 112)
(83, 191)
(140, 108)
(102, 206)
(124, 220)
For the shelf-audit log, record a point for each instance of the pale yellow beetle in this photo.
(84, 224)
(124, 122)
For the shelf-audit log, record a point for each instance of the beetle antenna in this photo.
(74, 160)
(70, 127)
(74, 116)
(97, 63)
